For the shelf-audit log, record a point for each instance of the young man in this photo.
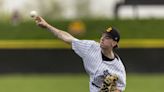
(99, 58)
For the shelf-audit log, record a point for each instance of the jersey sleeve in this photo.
(122, 82)
(81, 46)
(121, 86)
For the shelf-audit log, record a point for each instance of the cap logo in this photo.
(109, 29)
(116, 38)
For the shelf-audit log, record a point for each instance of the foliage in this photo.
(129, 29)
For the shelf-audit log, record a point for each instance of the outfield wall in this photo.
(138, 60)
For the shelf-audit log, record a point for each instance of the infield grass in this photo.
(74, 83)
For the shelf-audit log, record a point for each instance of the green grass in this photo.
(43, 83)
(145, 83)
(74, 83)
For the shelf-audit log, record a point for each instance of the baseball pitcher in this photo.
(104, 66)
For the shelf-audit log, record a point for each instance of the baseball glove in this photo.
(109, 84)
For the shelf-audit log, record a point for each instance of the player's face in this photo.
(107, 42)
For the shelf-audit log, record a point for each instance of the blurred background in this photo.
(33, 60)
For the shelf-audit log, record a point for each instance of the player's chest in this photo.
(106, 66)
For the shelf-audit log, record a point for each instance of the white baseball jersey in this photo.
(96, 67)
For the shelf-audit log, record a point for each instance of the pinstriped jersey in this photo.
(96, 67)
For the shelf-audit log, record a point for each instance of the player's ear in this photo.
(114, 43)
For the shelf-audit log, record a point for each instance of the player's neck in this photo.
(108, 53)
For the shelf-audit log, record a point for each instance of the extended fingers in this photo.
(40, 22)
(38, 19)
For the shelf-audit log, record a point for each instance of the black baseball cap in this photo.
(113, 33)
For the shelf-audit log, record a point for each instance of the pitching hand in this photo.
(41, 22)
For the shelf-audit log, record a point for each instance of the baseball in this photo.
(33, 14)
